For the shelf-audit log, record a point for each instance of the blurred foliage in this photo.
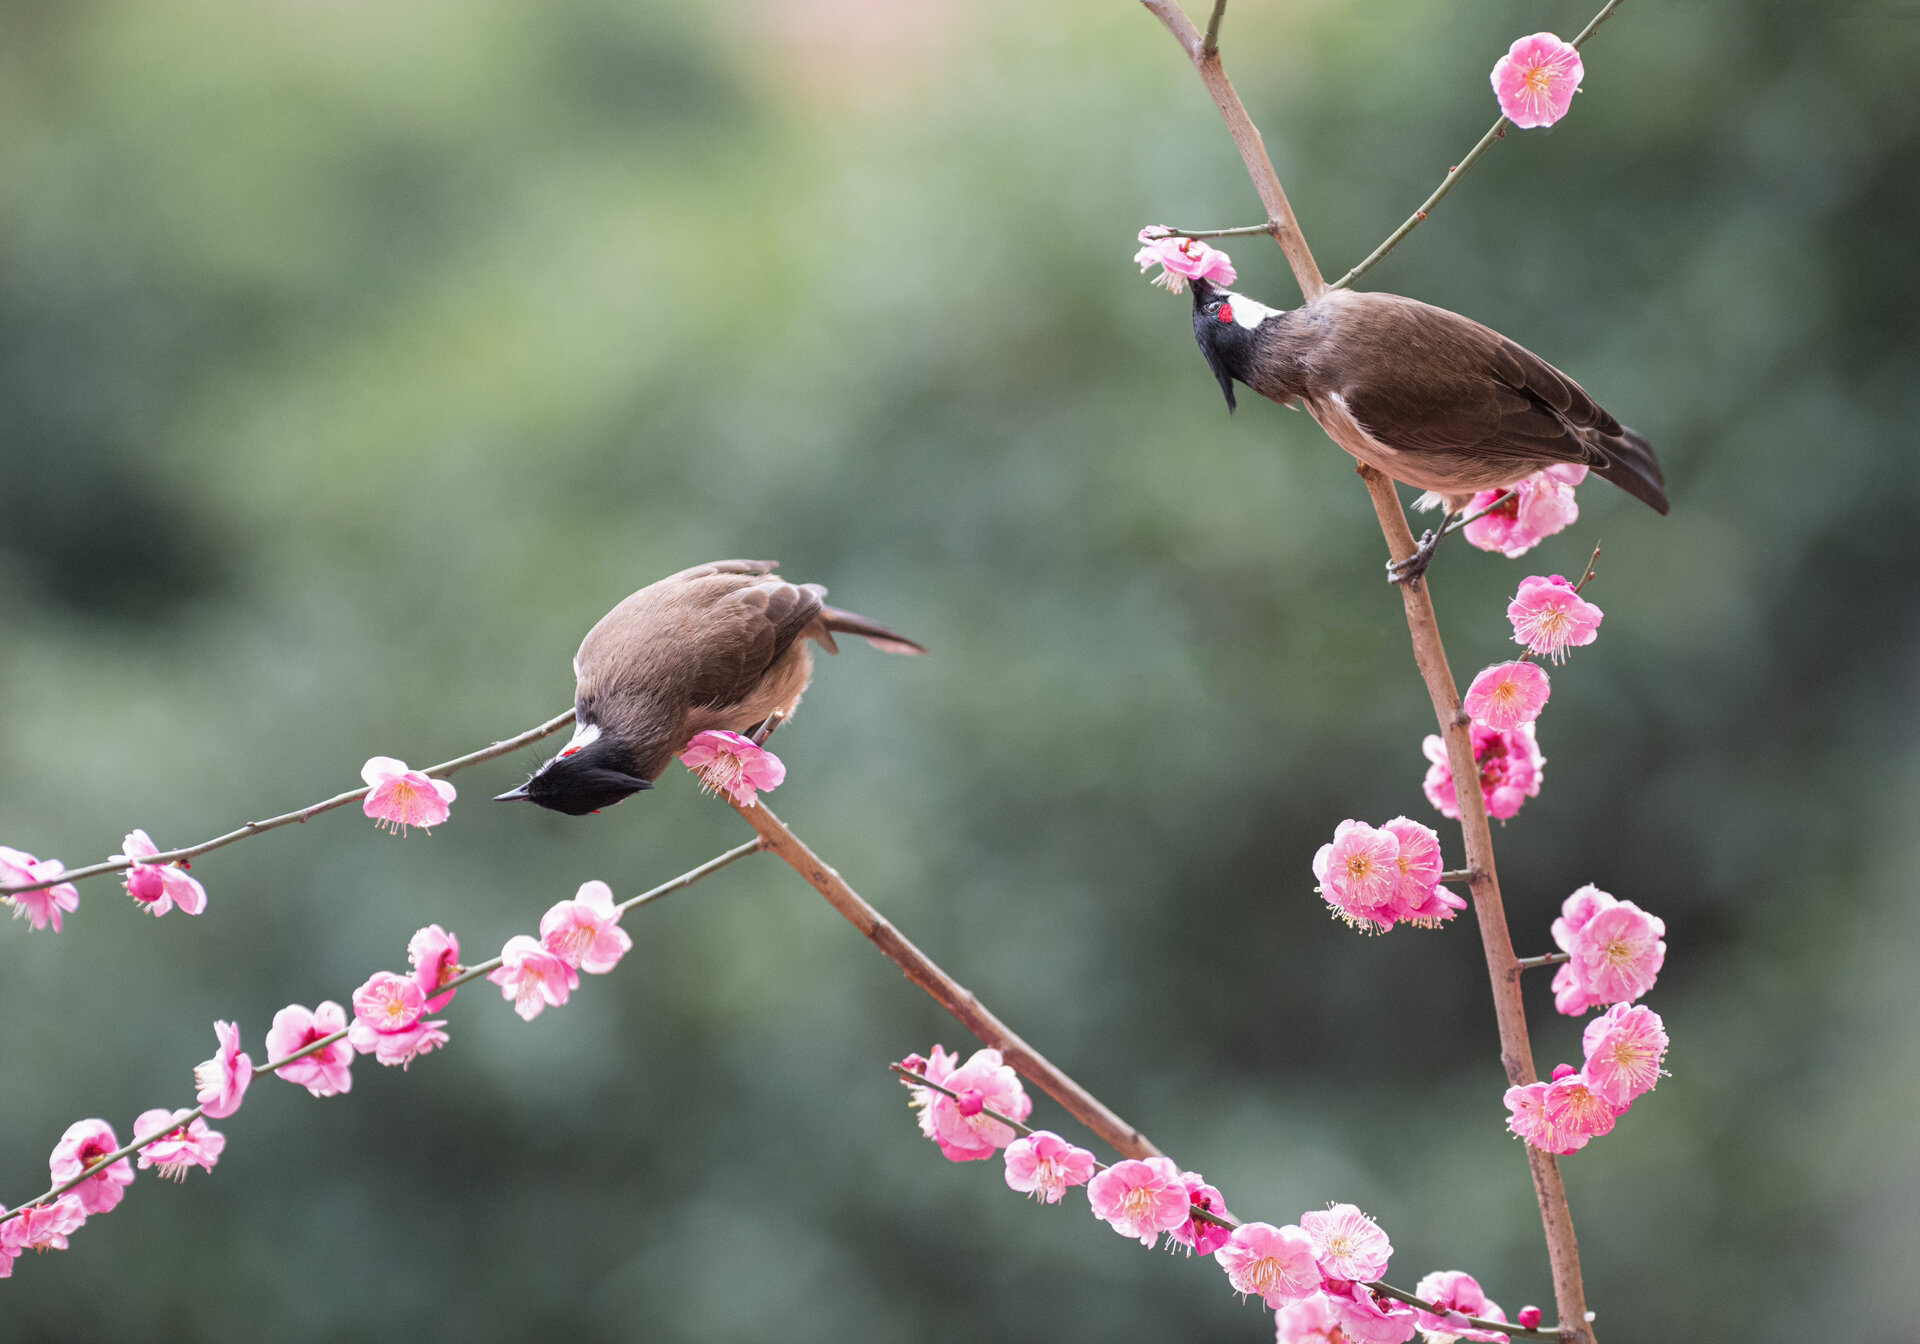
(355, 357)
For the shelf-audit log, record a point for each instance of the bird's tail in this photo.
(1631, 465)
(876, 634)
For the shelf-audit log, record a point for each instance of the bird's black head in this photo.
(589, 775)
(1224, 323)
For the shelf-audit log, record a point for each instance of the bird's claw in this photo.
(1415, 565)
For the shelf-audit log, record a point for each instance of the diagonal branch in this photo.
(1205, 55)
(498, 749)
(946, 991)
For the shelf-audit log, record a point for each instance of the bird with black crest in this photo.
(725, 645)
(1428, 397)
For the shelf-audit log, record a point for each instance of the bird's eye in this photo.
(1213, 308)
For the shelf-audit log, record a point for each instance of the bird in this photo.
(1430, 398)
(718, 646)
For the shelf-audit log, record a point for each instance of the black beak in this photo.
(1203, 294)
(512, 794)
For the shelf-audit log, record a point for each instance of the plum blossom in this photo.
(327, 1072)
(1625, 1047)
(44, 905)
(960, 1123)
(1507, 695)
(1181, 259)
(731, 764)
(1614, 951)
(1575, 1111)
(1348, 1244)
(937, 1070)
(1536, 80)
(1367, 1318)
(1140, 1197)
(1046, 1166)
(1549, 616)
(585, 932)
(1510, 768)
(1376, 878)
(223, 1080)
(398, 797)
(1421, 900)
(435, 956)
(1458, 1295)
(1196, 1234)
(188, 1143)
(1275, 1262)
(43, 1227)
(85, 1143)
(1311, 1320)
(387, 1020)
(1527, 1115)
(1528, 1318)
(1542, 505)
(159, 886)
(398, 1047)
(532, 978)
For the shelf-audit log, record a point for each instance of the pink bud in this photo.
(1529, 1318)
(1563, 1071)
(971, 1101)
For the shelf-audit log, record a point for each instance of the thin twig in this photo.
(1455, 173)
(946, 991)
(1211, 42)
(1246, 137)
(1544, 959)
(498, 749)
(467, 976)
(1244, 231)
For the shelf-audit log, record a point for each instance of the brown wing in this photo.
(1423, 380)
(743, 632)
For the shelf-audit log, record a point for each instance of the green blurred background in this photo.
(355, 357)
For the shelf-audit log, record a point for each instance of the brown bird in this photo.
(1428, 397)
(723, 645)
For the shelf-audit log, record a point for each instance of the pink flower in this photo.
(1536, 80)
(532, 977)
(1528, 1319)
(934, 1070)
(1348, 1244)
(1196, 1234)
(585, 932)
(1275, 1262)
(1370, 1319)
(1542, 505)
(1181, 260)
(1510, 768)
(85, 1143)
(188, 1143)
(1359, 873)
(1458, 1295)
(326, 1072)
(44, 906)
(42, 1227)
(1527, 1104)
(961, 1126)
(398, 797)
(159, 887)
(1549, 617)
(435, 955)
(1618, 953)
(223, 1080)
(1421, 899)
(1625, 1047)
(1046, 1166)
(1311, 1320)
(1575, 1112)
(1140, 1198)
(1507, 695)
(398, 1047)
(388, 1002)
(728, 763)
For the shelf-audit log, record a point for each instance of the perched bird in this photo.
(1428, 397)
(723, 645)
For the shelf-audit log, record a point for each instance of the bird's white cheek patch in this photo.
(1250, 313)
(585, 735)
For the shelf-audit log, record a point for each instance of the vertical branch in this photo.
(1503, 968)
(946, 991)
(1204, 52)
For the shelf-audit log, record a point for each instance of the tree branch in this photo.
(498, 749)
(1281, 224)
(946, 991)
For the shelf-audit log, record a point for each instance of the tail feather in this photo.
(850, 623)
(1631, 465)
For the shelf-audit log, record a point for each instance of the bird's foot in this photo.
(1415, 565)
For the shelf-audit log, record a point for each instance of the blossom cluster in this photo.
(1624, 1049)
(1614, 950)
(1518, 517)
(1317, 1274)
(1375, 878)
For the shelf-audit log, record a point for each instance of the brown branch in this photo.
(946, 991)
(1246, 136)
(512, 744)
(1503, 968)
